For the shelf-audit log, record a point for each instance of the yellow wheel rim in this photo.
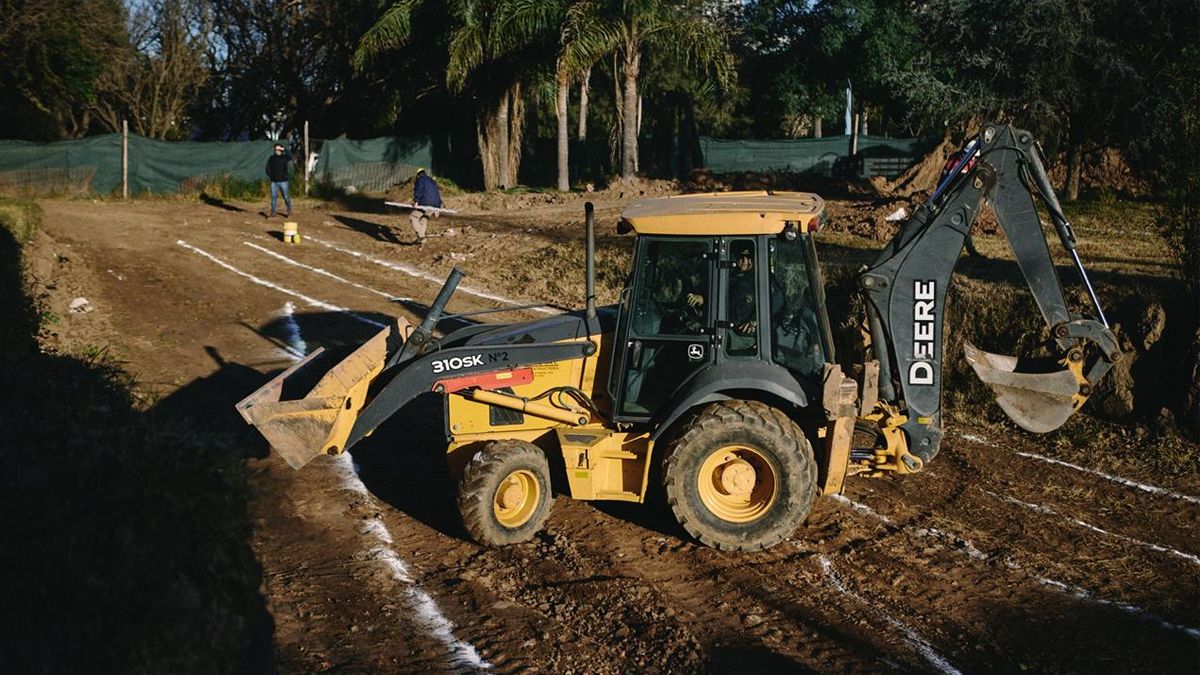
(737, 484)
(516, 498)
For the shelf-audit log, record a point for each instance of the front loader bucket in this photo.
(1038, 395)
(302, 420)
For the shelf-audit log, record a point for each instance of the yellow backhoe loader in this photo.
(717, 362)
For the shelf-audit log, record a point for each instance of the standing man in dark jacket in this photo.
(277, 172)
(425, 193)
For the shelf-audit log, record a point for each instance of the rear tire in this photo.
(740, 476)
(504, 496)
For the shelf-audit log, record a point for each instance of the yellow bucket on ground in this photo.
(291, 232)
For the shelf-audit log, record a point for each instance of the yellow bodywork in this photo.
(600, 463)
(726, 214)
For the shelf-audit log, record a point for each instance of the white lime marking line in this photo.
(930, 532)
(286, 291)
(1138, 612)
(296, 347)
(1078, 593)
(923, 648)
(462, 656)
(421, 274)
(317, 270)
(1075, 521)
(1144, 487)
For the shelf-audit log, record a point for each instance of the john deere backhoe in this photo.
(717, 362)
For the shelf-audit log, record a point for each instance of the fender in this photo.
(711, 384)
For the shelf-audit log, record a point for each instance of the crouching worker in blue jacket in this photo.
(425, 193)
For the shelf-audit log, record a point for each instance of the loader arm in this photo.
(906, 291)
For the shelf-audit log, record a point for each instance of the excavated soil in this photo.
(1009, 553)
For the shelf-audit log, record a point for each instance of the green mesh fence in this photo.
(94, 165)
(159, 166)
(877, 156)
(68, 167)
(375, 164)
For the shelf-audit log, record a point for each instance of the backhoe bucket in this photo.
(301, 419)
(1039, 395)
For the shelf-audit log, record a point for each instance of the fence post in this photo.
(124, 159)
(306, 157)
(854, 134)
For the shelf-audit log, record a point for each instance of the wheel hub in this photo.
(512, 493)
(738, 477)
(738, 484)
(516, 498)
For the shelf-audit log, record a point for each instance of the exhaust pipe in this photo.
(416, 342)
(589, 220)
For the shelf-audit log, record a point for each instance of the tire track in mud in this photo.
(330, 595)
(1116, 567)
(965, 547)
(1123, 506)
(984, 608)
(767, 610)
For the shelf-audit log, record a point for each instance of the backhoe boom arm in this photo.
(906, 293)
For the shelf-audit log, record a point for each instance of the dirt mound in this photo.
(1103, 169)
(921, 176)
(617, 192)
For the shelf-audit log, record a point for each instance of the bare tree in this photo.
(156, 80)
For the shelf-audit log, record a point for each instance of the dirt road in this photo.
(997, 558)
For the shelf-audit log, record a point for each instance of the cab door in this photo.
(665, 329)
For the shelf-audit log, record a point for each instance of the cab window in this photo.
(795, 330)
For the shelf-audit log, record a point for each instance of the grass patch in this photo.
(126, 532)
(234, 187)
(20, 217)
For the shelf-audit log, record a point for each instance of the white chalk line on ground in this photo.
(956, 541)
(1078, 593)
(462, 656)
(421, 274)
(1081, 594)
(296, 347)
(910, 636)
(286, 291)
(318, 270)
(1144, 487)
(1079, 523)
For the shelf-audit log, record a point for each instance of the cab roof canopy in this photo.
(724, 213)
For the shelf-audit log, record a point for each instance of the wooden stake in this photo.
(124, 159)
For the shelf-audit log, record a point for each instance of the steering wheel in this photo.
(680, 313)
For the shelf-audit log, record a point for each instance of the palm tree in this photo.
(627, 28)
(477, 59)
(539, 23)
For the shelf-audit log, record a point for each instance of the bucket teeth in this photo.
(1039, 395)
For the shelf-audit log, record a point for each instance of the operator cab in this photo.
(724, 284)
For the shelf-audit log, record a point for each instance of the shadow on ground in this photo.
(127, 530)
(220, 203)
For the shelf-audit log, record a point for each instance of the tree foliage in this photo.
(494, 78)
(54, 53)
(154, 80)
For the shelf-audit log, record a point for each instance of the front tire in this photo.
(741, 476)
(504, 496)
